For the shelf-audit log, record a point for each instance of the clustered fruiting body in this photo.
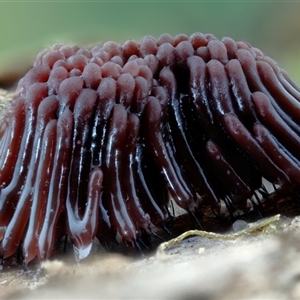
(97, 141)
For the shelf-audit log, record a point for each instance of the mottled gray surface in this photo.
(262, 265)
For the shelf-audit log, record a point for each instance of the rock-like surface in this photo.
(259, 265)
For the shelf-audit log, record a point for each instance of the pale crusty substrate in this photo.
(5, 98)
(261, 265)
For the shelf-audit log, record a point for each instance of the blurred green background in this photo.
(28, 26)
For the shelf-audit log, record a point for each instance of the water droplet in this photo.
(239, 225)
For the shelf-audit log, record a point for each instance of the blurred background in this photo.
(27, 27)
